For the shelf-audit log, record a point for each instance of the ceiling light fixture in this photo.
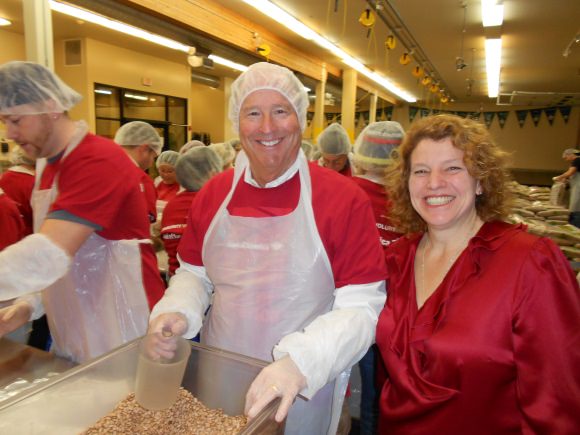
(226, 62)
(5, 22)
(492, 65)
(492, 13)
(281, 16)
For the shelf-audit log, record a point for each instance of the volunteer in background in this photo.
(142, 144)
(11, 221)
(335, 149)
(193, 170)
(17, 182)
(480, 332)
(87, 255)
(372, 156)
(226, 152)
(573, 177)
(189, 145)
(296, 270)
(166, 183)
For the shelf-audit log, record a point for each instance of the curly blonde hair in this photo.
(484, 160)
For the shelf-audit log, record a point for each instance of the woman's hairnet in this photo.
(334, 140)
(225, 151)
(189, 145)
(27, 88)
(570, 152)
(138, 133)
(19, 157)
(376, 142)
(169, 157)
(264, 76)
(197, 166)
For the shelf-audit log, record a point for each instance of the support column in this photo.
(318, 120)
(373, 107)
(349, 101)
(38, 32)
(229, 133)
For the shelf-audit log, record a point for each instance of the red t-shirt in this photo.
(173, 225)
(11, 222)
(342, 212)
(98, 182)
(166, 192)
(148, 189)
(381, 205)
(18, 186)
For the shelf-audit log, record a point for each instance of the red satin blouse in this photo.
(494, 350)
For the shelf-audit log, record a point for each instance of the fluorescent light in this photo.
(136, 97)
(493, 65)
(5, 22)
(91, 17)
(103, 91)
(281, 16)
(491, 13)
(228, 63)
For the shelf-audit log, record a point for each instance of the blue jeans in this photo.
(369, 402)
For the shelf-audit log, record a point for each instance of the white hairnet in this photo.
(334, 140)
(19, 157)
(189, 145)
(235, 144)
(138, 133)
(225, 151)
(169, 157)
(27, 88)
(263, 76)
(197, 166)
(570, 152)
(308, 148)
(376, 142)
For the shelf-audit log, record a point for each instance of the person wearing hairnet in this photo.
(166, 183)
(371, 157)
(236, 145)
(11, 221)
(193, 170)
(226, 153)
(142, 144)
(89, 256)
(189, 145)
(296, 271)
(335, 149)
(307, 148)
(17, 182)
(572, 176)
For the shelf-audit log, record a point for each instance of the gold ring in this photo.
(275, 388)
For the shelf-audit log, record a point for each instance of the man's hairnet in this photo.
(334, 140)
(570, 152)
(27, 88)
(138, 133)
(376, 142)
(197, 166)
(225, 151)
(19, 157)
(189, 145)
(267, 76)
(169, 157)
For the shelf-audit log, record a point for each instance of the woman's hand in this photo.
(160, 340)
(14, 316)
(281, 379)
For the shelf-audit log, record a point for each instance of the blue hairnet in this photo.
(374, 144)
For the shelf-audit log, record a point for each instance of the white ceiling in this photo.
(535, 34)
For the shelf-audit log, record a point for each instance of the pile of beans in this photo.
(186, 416)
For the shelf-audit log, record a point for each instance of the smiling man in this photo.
(295, 270)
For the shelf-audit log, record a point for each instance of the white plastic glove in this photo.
(162, 331)
(280, 379)
(14, 316)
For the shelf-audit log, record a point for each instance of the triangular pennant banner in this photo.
(565, 112)
(536, 114)
(522, 115)
(502, 118)
(488, 118)
(389, 112)
(425, 112)
(412, 112)
(550, 114)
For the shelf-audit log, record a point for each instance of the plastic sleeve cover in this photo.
(189, 293)
(31, 265)
(35, 302)
(337, 340)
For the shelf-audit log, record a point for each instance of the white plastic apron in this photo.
(100, 303)
(272, 277)
(575, 193)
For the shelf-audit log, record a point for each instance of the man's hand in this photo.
(14, 316)
(281, 379)
(162, 331)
